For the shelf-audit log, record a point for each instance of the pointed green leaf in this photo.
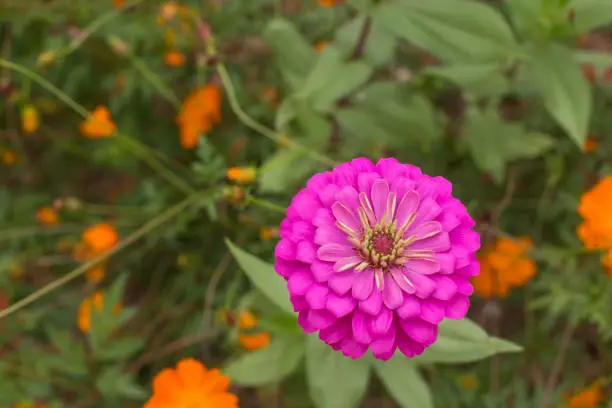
(263, 277)
(402, 379)
(590, 14)
(273, 174)
(335, 381)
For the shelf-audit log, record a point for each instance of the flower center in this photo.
(382, 244)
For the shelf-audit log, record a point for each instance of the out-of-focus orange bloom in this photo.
(174, 58)
(191, 385)
(118, 3)
(248, 340)
(267, 233)
(596, 229)
(97, 273)
(85, 310)
(47, 216)
(100, 238)
(200, 111)
(505, 265)
(241, 175)
(30, 120)
(7, 157)
(320, 46)
(99, 124)
(590, 397)
(590, 145)
(329, 3)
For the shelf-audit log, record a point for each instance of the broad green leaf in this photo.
(402, 379)
(120, 349)
(268, 365)
(263, 277)
(335, 381)
(113, 383)
(462, 329)
(294, 54)
(567, 95)
(468, 31)
(332, 78)
(379, 45)
(450, 350)
(601, 61)
(591, 14)
(486, 79)
(273, 174)
(494, 143)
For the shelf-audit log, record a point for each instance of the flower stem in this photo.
(265, 204)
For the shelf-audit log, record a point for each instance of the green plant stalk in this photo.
(135, 236)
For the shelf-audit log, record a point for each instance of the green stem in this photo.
(265, 204)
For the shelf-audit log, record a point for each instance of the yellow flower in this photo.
(99, 124)
(45, 58)
(251, 341)
(242, 175)
(174, 58)
(29, 119)
(199, 112)
(47, 216)
(504, 266)
(587, 398)
(85, 310)
(191, 385)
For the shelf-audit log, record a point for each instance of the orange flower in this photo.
(242, 175)
(199, 112)
(174, 58)
(320, 46)
(118, 3)
(191, 385)
(588, 398)
(267, 233)
(84, 314)
(251, 341)
(504, 266)
(99, 124)
(7, 157)
(596, 229)
(590, 145)
(168, 10)
(96, 274)
(47, 216)
(100, 238)
(329, 3)
(29, 119)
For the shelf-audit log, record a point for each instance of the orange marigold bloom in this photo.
(503, 266)
(191, 385)
(29, 119)
(99, 124)
(320, 46)
(199, 112)
(85, 309)
(100, 238)
(590, 397)
(174, 58)
(251, 341)
(47, 216)
(241, 175)
(329, 3)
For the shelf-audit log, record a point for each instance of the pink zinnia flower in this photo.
(376, 256)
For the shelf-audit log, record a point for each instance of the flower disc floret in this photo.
(376, 256)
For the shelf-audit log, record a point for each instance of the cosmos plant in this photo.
(376, 256)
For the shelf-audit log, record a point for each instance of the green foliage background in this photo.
(491, 95)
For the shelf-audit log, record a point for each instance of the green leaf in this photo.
(119, 349)
(464, 329)
(295, 56)
(335, 381)
(273, 175)
(402, 379)
(332, 78)
(268, 365)
(591, 14)
(113, 384)
(467, 31)
(379, 45)
(567, 95)
(263, 277)
(494, 143)
(485, 79)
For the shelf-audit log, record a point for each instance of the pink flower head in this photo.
(376, 256)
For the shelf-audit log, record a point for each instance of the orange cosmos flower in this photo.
(329, 3)
(199, 112)
(85, 308)
(99, 124)
(596, 229)
(174, 58)
(251, 341)
(590, 397)
(29, 119)
(47, 216)
(100, 238)
(97, 273)
(241, 175)
(191, 385)
(503, 266)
